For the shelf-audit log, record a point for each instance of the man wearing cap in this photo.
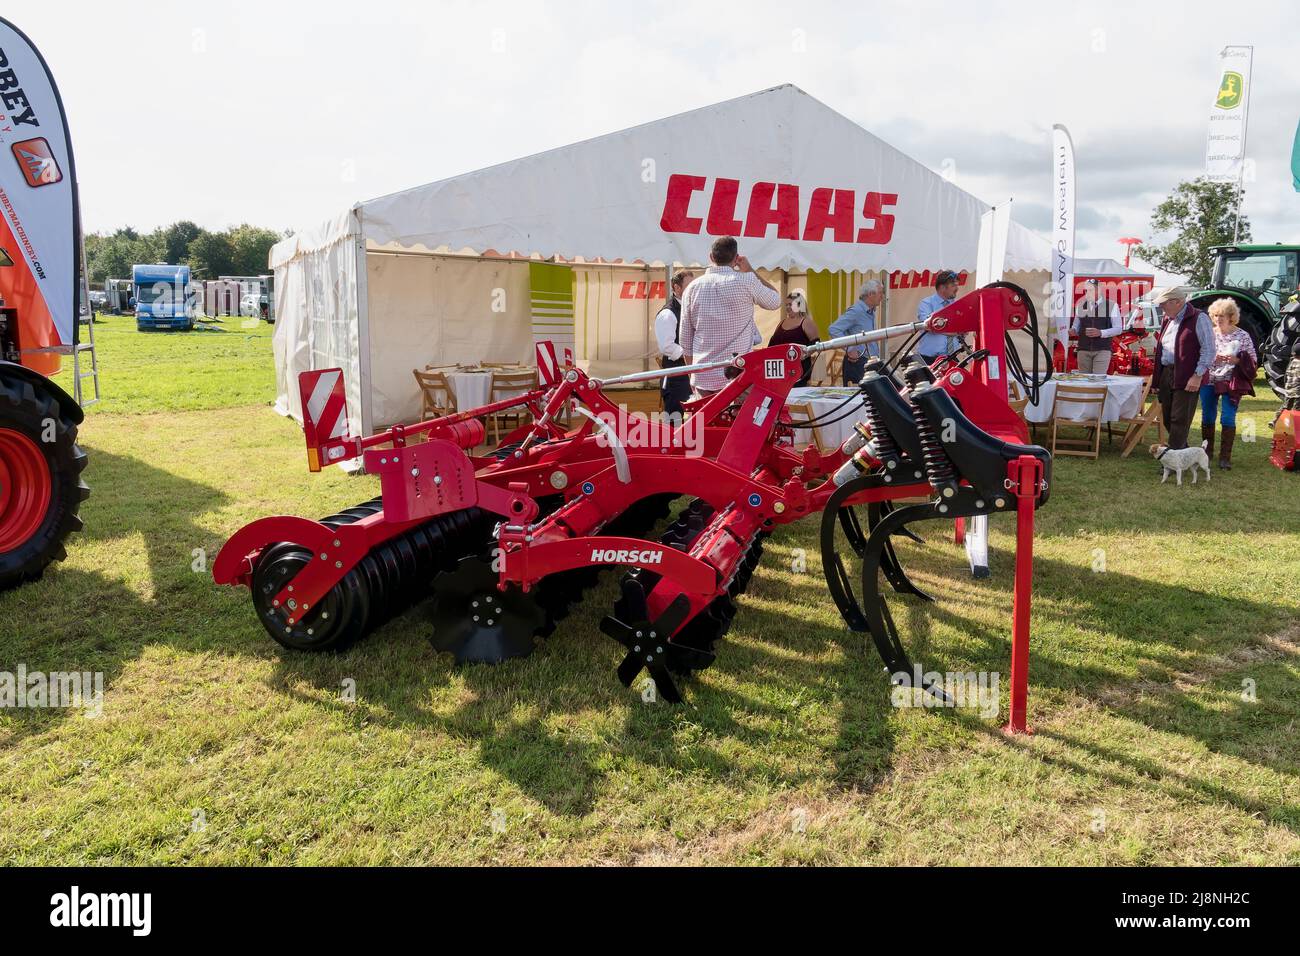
(1184, 352)
(1096, 321)
(859, 317)
(934, 345)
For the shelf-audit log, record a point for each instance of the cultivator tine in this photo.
(885, 508)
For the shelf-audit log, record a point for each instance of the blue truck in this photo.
(162, 297)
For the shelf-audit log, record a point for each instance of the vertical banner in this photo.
(1063, 220)
(1225, 148)
(991, 258)
(39, 221)
(1295, 160)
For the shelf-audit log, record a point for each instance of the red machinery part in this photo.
(743, 464)
(25, 488)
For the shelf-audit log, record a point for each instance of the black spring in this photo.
(886, 447)
(939, 469)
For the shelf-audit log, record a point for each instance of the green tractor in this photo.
(1262, 280)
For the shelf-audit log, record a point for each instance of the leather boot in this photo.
(1207, 434)
(1225, 453)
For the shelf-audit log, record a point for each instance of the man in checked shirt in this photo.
(718, 313)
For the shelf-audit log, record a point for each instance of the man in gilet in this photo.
(1184, 352)
(1096, 321)
(668, 335)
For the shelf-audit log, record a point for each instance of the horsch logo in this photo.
(618, 556)
(833, 215)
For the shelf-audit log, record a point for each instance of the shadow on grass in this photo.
(73, 620)
(520, 714)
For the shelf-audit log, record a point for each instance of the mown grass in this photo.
(1157, 609)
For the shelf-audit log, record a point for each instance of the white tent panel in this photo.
(800, 185)
(437, 310)
(772, 156)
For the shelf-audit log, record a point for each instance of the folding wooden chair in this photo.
(803, 412)
(835, 368)
(1018, 401)
(1094, 401)
(438, 398)
(505, 385)
(1153, 414)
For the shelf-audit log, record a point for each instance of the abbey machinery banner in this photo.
(1225, 147)
(1063, 223)
(38, 207)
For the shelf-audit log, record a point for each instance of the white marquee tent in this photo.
(572, 245)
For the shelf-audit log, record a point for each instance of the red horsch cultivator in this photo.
(506, 542)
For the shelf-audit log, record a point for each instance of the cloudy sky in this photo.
(282, 113)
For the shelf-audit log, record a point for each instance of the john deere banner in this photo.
(38, 204)
(1225, 149)
(1062, 232)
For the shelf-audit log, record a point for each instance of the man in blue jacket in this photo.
(934, 345)
(859, 317)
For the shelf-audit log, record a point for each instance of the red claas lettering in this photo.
(831, 212)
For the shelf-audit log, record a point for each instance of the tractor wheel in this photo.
(1276, 355)
(41, 489)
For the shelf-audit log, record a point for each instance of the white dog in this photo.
(1179, 460)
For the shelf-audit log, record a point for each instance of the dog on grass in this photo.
(1179, 460)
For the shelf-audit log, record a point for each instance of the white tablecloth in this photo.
(1123, 393)
(471, 388)
(824, 400)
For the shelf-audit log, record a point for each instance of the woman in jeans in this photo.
(1228, 379)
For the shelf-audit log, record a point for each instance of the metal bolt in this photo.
(338, 564)
(275, 604)
(415, 472)
(476, 617)
(1000, 502)
(437, 479)
(290, 588)
(638, 633)
(324, 556)
(475, 604)
(659, 650)
(637, 649)
(338, 543)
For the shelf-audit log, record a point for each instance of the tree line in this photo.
(240, 250)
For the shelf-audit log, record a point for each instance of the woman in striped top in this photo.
(1228, 379)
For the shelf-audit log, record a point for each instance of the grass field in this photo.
(1164, 683)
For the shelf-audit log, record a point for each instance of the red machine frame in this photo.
(748, 470)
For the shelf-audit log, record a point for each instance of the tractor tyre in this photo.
(1276, 355)
(41, 490)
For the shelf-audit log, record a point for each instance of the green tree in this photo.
(212, 255)
(1198, 215)
(175, 240)
(112, 256)
(251, 245)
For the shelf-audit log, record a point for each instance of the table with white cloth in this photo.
(1123, 398)
(828, 400)
(472, 387)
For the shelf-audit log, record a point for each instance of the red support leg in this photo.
(1025, 475)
